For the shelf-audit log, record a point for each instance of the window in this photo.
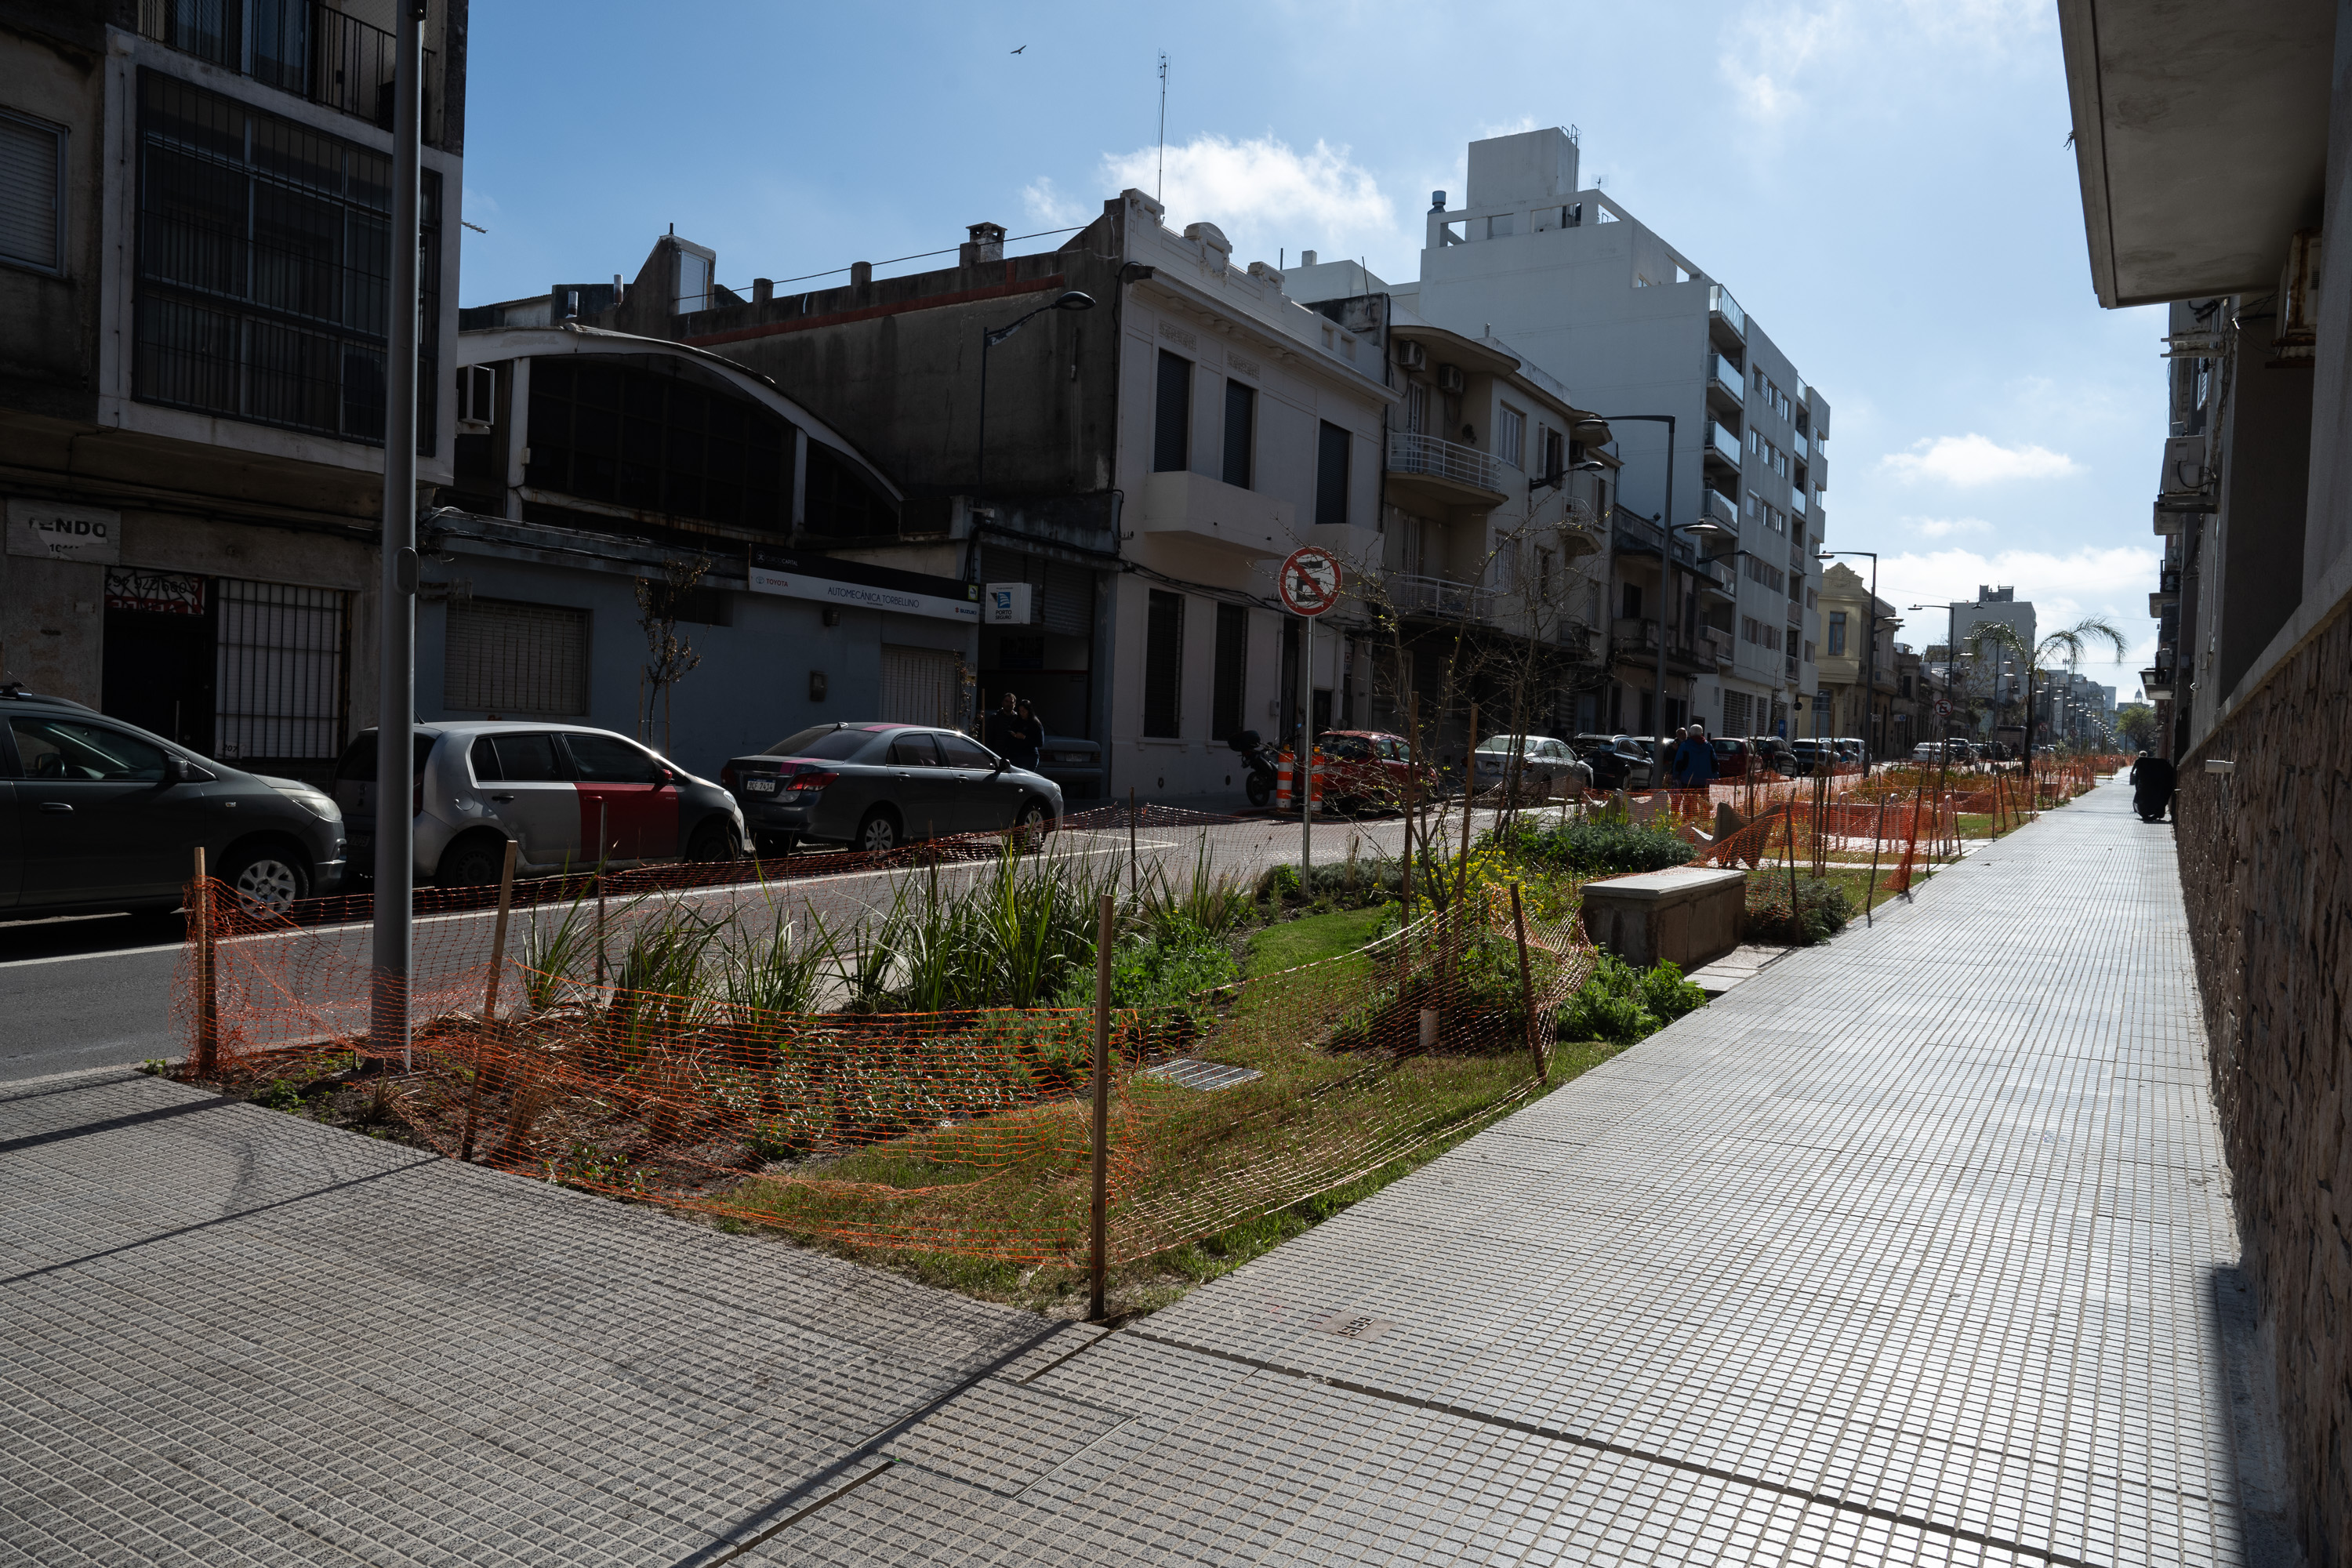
(1416, 407)
(962, 752)
(693, 281)
(1748, 631)
(519, 759)
(1554, 448)
(1837, 632)
(1543, 574)
(1755, 442)
(1507, 566)
(1808, 646)
(1229, 684)
(263, 272)
(278, 671)
(657, 442)
(63, 749)
(32, 193)
(1632, 602)
(1241, 432)
(511, 659)
(1164, 664)
(1171, 431)
(1511, 437)
(916, 751)
(608, 759)
(1331, 477)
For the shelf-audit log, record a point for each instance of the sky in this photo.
(1885, 186)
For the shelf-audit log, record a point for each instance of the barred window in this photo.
(265, 262)
(32, 193)
(637, 439)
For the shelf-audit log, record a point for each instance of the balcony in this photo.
(1713, 505)
(1725, 319)
(1714, 577)
(2157, 681)
(1722, 445)
(1441, 598)
(1194, 508)
(1798, 444)
(2168, 592)
(312, 50)
(1715, 643)
(1789, 667)
(1797, 496)
(1633, 638)
(1427, 473)
(1725, 384)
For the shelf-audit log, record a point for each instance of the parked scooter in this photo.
(1261, 760)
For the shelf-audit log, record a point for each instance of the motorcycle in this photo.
(1261, 760)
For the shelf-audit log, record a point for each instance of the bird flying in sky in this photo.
(1023, 47)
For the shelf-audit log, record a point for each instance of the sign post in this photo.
(1308, 584)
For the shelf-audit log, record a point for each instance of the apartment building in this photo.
(2210, 192)
(1161, 426)
(1602, 301)
(194, 212)
(1488, 578)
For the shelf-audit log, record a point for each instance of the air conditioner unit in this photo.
(1449, 378)
(1411, 356)
(2185, 478)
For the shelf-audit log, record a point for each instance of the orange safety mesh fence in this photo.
(806, 1052)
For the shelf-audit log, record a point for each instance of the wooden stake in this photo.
(1527, 985)
(1097, 1227)
(489, 996)
(1877, 833)
(207, 987)
(1131, 842)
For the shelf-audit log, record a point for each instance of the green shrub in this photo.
(1821, 910)
(1598, 846)
(1619, 1004)
(1159, 974)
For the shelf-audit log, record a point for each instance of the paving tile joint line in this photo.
(1558, 1434)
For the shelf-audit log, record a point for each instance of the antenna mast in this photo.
(1159, 181)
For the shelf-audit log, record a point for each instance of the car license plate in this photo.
(360, 841)
(759, 786)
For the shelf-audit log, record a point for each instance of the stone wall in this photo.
(2266, 870)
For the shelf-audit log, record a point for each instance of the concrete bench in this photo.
(1690, 915)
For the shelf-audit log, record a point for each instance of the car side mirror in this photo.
(181, 771)
(997, 765)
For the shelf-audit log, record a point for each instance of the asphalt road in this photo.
(97, 992)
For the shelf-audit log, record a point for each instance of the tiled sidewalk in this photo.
(1903, 1251)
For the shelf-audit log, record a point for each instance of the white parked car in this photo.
(1546, 765)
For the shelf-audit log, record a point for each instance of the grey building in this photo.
(195, 207)
(1599, 300)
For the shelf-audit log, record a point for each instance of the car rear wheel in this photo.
(475, 860)
(879, 832)
(715, 841)
(266, 879)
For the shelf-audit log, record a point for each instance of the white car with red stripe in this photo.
(572, 798)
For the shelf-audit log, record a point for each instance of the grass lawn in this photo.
(1315, 1115)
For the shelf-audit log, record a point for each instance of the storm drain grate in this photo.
(1190, 1073)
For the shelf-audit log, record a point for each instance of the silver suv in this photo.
(569, 796)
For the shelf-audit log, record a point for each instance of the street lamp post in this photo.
(392, 926)
(989, 338)
(1666, 576)
(1870, 655)
(1952, 609)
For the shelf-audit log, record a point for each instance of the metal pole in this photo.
(395, 828)
(1302, 773)
(1099, 1228)
(207, 988)
(490, 1000)
(1526, 984)
(1666, 576)
(1870, 685)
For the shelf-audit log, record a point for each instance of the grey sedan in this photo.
(878, 785)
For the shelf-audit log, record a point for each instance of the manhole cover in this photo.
(1191, 1073)
(1357, 1326)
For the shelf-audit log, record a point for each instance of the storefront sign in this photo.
(1006, 604)
(56, 533)
(796, 576)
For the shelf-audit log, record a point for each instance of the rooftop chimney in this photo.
(1306, 258)
(1437, 200)
(987, 243)
(763, 290)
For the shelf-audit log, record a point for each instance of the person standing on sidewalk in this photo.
(1695, 758)
(1025, 739)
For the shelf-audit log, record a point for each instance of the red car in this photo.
(1367, 768)
(1735, 759)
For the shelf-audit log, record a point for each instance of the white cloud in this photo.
(1263, 194)
(2114, 582)
(1049, 206)
(1972, 459)
(1944, 527)
(1772, 59)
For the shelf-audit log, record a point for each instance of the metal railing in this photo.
(1728, 377)
(1714, 506)
(1719, 301)
(308, 50)
(1441, 598)
(1723, 443)
(1412, 453)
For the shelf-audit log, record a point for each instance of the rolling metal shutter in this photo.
(515, 660)
(920, 686)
